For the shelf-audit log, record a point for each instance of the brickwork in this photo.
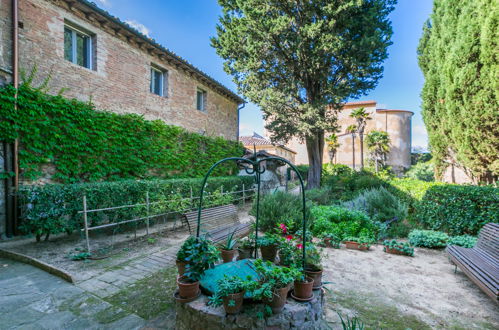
(120, 79)
(5, 42)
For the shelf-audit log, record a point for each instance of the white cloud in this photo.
(105, 3)
(138, 26)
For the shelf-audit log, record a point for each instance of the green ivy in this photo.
(85, 145)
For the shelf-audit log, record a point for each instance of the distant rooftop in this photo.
(258, 140)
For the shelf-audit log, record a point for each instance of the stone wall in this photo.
(3, 215)
(5, 42)
(120, 79)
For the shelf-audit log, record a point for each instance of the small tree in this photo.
(378, 144)
(352, 129)
(332, 146)
(361, 116)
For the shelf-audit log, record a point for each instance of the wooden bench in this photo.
(481, 263)
(217, 222)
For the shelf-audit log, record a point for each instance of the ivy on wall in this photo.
(86, 145)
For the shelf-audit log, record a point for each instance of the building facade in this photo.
(397, 123)
(260, 143)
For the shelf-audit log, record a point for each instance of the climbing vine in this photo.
(86, 145)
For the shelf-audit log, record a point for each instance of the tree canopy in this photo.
(458, 54)
(301, 60)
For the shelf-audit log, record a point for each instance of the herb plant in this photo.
(399, 246)
(272, 277)
(231, 285)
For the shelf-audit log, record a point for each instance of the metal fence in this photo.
(240, 195)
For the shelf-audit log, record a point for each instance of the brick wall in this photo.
(121, 79)
(5, 41)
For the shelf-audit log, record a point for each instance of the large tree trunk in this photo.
(315, 150)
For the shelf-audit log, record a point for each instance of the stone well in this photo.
(295, 315)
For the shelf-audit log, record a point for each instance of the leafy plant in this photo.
(247, 242)
(231, 285)
(202, 254)
(428, 238)
(151, 240)
(270, 239)
(351, 323)
(332, 238)
(466, 241)
(271, 277)
(289, 253)
(319, 196)
(186, 248)
(362, 240)
(421, 171)
(399, 246)
(80, 256)
(230, 243)
(313, 257)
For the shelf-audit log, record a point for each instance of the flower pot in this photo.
(278, 300)
(181, 267)
(394, 251)
(356, 246)
(244, 253)
(236, 306)
(228, 255)
(269, 252)
(186, 288)
(303, 290)
(316, 276)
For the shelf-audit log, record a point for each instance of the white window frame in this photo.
(203, 99)
(74, 55)
(163, 91)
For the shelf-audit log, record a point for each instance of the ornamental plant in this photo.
(403, 247)
(186, 248)
(201, 255)
(230, 243)
(428, 238)
(272, 277)
(362, 240)
(289, 253)
(247, 242)
(332, 239)
(231, 285)
(466, 241)
(270, 239)
(313, 257)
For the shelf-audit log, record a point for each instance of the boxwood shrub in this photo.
(53, 208)
(458, 209)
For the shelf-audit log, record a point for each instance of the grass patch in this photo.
(148, 297)
(374, 313)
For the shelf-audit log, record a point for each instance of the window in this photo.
(201, 100)
(159, 81)
(78, 47)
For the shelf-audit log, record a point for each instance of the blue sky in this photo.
(185, 27)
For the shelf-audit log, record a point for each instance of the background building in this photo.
(262, 144)
(396, 122)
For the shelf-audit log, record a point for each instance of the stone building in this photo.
(260, 143)
(93, 56)
(396, 122)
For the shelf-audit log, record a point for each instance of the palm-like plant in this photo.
(332, 146)
(352, 129)
(378, 144)
(361, 116)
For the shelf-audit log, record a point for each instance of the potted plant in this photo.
(313, 265)
(202, 255)
(358, 243)
(303, 286)
(330, 240)
(228, 248)
(269, 245)
(273, 284)
(288, 252)
(395, 247)
(230, 293)
(183, 253)
(246, 247)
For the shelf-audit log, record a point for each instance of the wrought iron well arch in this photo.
(258, 170)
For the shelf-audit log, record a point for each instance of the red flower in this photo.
(289, 237)
(283, 228)
(300, 246)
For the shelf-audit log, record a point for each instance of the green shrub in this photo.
(379, 204)
(85, 145)
(342, 222)
(428, 238)
(320, 196)
(458, 209)
(53, 208)
(466, 241)
(410, 191)
(303, 170)
(421, 171)
(280, 207)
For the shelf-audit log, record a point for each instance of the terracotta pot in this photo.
(244, 253)
(278, 300)
(181, 267)
(238, 303)
(356, 246)
(303, 290)
(315, 275)
(186, 288)
(394, 251)
(228, 255)
(269, 252)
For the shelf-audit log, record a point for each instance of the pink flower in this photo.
(289, 238)
(300, 246)
(283, 228)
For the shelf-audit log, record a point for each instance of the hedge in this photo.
(85, 145)
(53, 208)
(458, 209)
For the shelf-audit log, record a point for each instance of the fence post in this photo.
(244, 196)
(147, 212)
(86, 222)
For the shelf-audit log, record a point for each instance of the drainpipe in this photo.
(15, 74)
(239, 109)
